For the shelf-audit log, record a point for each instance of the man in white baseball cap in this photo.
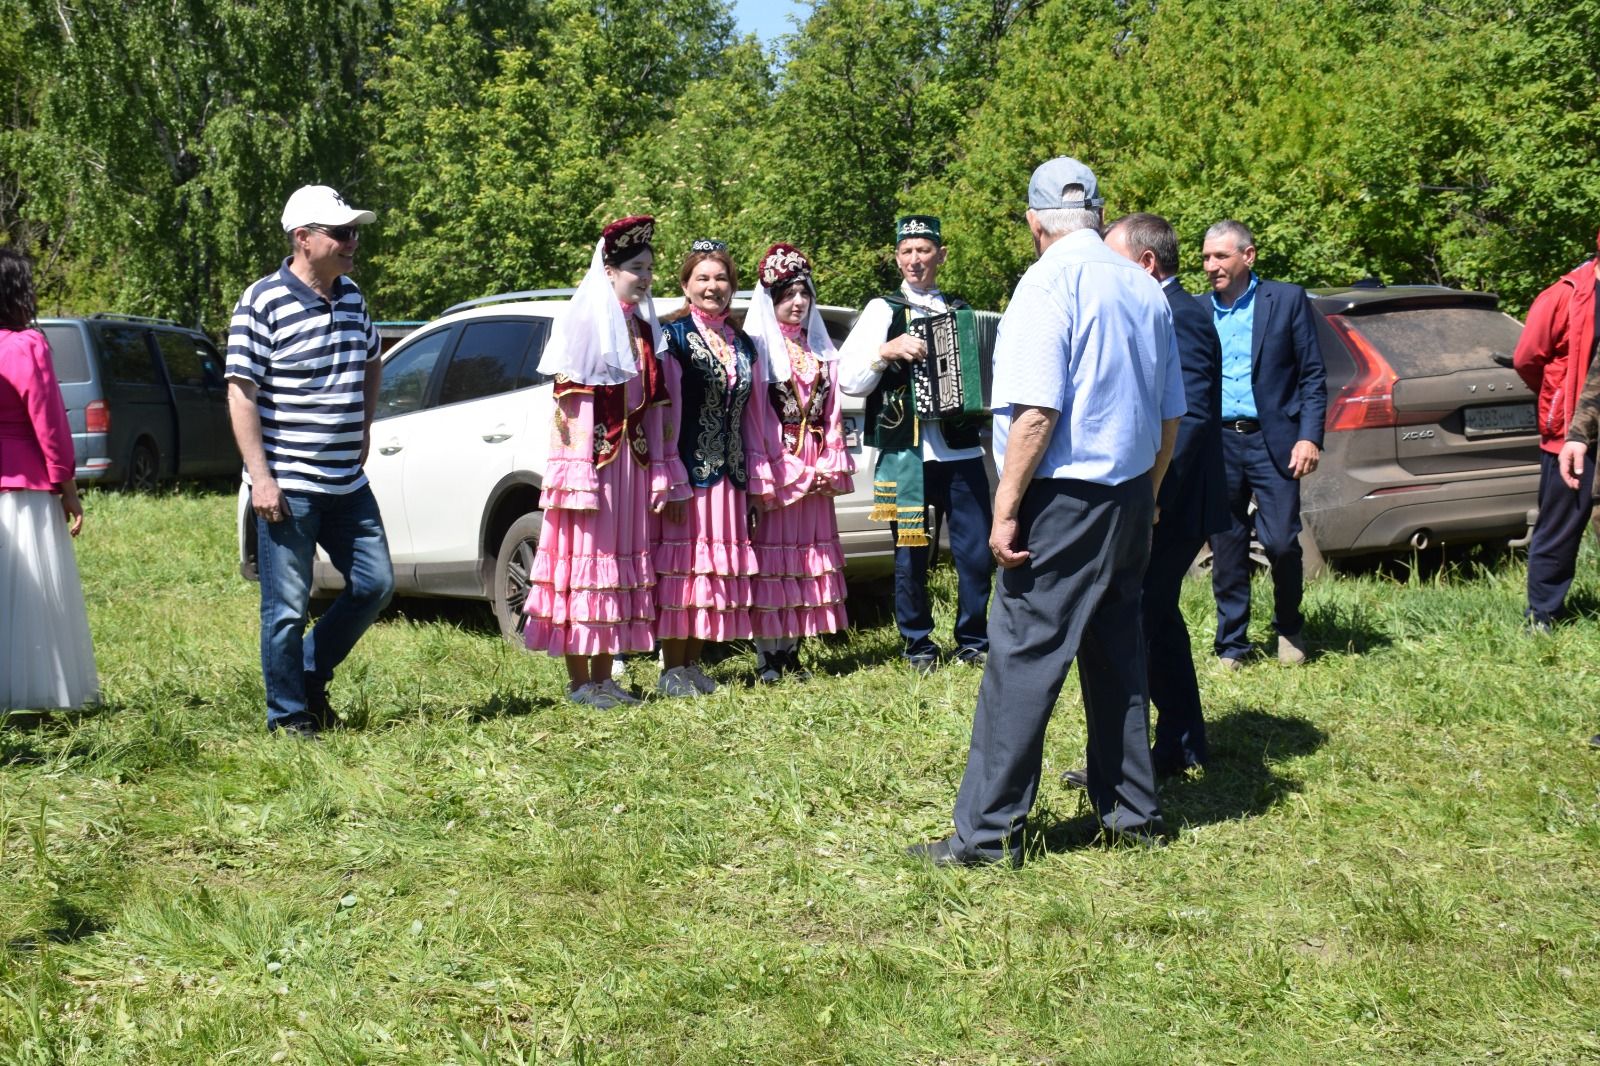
(320, 205)
(303, 383)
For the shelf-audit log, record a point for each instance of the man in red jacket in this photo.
(1553, 358)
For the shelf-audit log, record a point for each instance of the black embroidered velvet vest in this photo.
(710, 436)
(890, 412)
(797, 422)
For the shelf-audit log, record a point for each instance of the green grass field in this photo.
(1393, 857)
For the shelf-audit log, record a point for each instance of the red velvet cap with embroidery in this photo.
(624, 238)
(782, 264)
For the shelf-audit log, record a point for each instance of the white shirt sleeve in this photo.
(860, 350)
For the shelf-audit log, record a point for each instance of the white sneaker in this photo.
(592, 695)
(701, 681)
(618, 693)
(677, 682)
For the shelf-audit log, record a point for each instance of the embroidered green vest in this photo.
(890, 411)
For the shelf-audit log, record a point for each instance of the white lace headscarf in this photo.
(589, 343)
(782, 264)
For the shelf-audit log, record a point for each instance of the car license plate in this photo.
(1500, 418)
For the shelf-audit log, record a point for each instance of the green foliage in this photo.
(497, 142)
(167, 136)
(145, 149)
(1444, 144)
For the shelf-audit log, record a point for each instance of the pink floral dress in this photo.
(613, 460)
(800, 588)
(705, 564)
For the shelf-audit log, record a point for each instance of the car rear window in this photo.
(67, 352)
(486, 361)
(1427, 341)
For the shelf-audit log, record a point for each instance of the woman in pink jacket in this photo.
(46, 658)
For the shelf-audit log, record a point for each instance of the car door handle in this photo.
(390, 448)
(499, 434)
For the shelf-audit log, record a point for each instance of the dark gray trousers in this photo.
(1076, 597)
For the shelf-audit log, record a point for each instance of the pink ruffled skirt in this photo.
(800, 589)
(705, 567)
(590, 592)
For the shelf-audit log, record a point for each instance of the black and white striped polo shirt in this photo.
(308, 359)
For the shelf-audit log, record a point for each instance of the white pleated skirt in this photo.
(46, 657)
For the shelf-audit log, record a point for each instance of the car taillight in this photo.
(1367, 401)
(97, 417)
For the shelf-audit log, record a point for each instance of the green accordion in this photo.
(953, 381)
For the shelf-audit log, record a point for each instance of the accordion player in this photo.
(954, 379)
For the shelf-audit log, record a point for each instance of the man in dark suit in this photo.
(1192, 504)
(1274, 396)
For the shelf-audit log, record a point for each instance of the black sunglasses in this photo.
(338, 233)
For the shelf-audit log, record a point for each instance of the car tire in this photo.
(513, 564)
(144, 468)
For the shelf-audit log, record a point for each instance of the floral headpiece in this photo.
(782, 264)
(624, 238)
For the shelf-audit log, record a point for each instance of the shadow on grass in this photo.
(510, 705)
(1343, 628)
(472, 616)
(67, 923)
(1241, 779)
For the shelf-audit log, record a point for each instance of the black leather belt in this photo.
(1242, 425)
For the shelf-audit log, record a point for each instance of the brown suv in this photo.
(1431, 437)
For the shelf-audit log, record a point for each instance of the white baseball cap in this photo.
(319, 205)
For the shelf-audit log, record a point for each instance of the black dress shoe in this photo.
(943, 853)
(971, 657)
(1594, 741)
(1078, 778)
(924, 664)
(769, 674)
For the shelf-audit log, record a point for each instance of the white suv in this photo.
(458, 454)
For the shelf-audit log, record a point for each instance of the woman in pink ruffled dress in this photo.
(613, 464)
(704, 559)
(800, 589)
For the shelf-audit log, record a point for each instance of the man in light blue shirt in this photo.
(1087, 395)
(1274, 397)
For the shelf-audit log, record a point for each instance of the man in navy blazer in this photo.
(1274, 395)
(1191, 505)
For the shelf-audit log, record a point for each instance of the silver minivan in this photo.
(145, 399)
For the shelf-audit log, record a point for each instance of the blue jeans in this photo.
(961, 489)
(350, 530)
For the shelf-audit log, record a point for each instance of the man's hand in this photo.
(266, 499)
(1303, 460)
(1571, 460)
(1006, 544)
(903, 349)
